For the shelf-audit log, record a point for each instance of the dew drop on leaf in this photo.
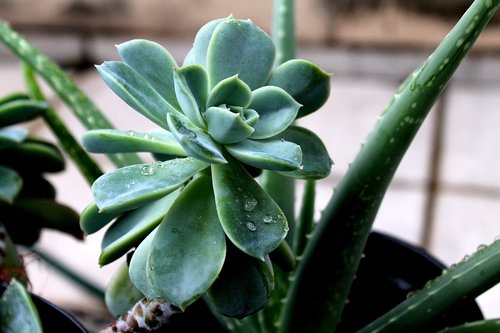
(251, 226)
(147, 170)
(268, 218)
(250, 204)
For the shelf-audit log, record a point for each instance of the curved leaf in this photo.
(268, 154)
(230, 91)
(226, 126)
(135, 185)
(250, 218)
(194, 141)
(308, 84)
(17, 311)
(137, 267)
(154, 63)
(13, 97)
(31, 155)
(240, 47)
(277, 110)
(243, 287)
(128, 230)
(191, 88)
(91, 220)
(121, 295)
(198, 54)
(20, 110)
(114, 141)
(10, 184)
(12, 136)
(316, 162)
(132, 88)
(189, 248)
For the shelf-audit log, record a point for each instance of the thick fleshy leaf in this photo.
(279, 155)
(154, 63)
(31, 155)
(17, 311)
(91, 220)
(240, 47)
(191, 88)
(138, 267)
(198, 54)
(13, 97)
(308, 84)
(316, 162)
(243, 287)
(21, 110)
(129, 229)
(277, 110)
(12, 136)
(121, 295)
(135, 185)
(189, 248)
(250, 217)
(194, 140)
(119, 141)
(230, 91)
(136, 91)
(10, 184)
(226, 126)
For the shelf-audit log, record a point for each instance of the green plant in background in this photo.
(224, 115)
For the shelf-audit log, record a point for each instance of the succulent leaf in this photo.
(154, 63)
(137, 267)
(188, 250)
(191, 88)
(134, 185)
(91, 220)
(249, 216)
(277, 110)
(33, 154)
(308, 84)
(226, 126)
(121, 294)
(17, 310)
(198, 54)
(230, 91)
(12, 136)
(240, 47)
(11, 184)
(132, 88)
(194, 140)
(119, 141)
(20, 110)
(268, 154)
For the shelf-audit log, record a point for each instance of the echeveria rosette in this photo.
(224, 109)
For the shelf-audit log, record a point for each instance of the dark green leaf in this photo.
(19, 111)
(12, 136)
(33, 155)
(14, 97)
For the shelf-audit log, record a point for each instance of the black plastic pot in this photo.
(389, 271)
(54, 319)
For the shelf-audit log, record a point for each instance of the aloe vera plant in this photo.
(206, 221)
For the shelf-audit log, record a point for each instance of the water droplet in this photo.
(131, 132)
(147, 170)
(250, 204)
(301, 167)
(268, 218)
(147, 137)
(481, 247)
(251, 226)
(130, 183)
(160, 164)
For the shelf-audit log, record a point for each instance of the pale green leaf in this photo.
(198, 54)
(12, 136)
(226, 126)
(91, 220)
(10, 184)
(191, 88)
(121, 295)
(230, 91)
(137, 267)
(17, 311)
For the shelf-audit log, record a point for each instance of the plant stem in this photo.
(79, 103)
(87, 166)
(283, 28)
(324, 276)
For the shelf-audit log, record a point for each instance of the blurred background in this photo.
(446, 193)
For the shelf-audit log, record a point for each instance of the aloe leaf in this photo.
(129, 229)
(11, 184)
(13, 97)
(277, 110)
(240, 47)
(92, 221)
(136, 91)
(154, 63)
(250, 218)
(32, 155)
(480, 326)
(189, 248)
(19, 111)
(198, 53)
(230, 91)
(308, 84)
(244, 286)
(132, 186)
(121, 295)
(191, 88)
(17, 311)
(347, 219)
(12, 136)
(268, 154)
(226, 126)
(138, 267)
(316, 162)
(194, 140)
(113, 141)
